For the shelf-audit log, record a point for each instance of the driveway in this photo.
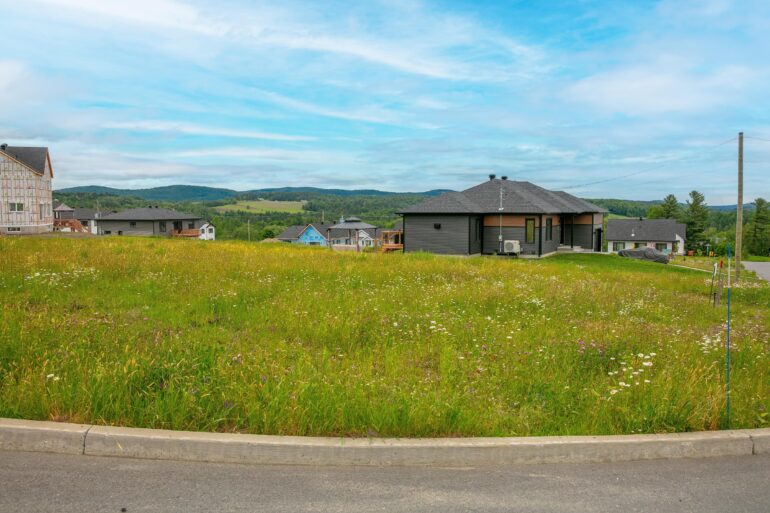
(63, 483)
(761, 268)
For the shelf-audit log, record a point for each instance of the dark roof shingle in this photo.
(517, 198)
(653, 230)
(32, 156)
(150, 214)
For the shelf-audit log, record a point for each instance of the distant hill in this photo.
(168, 193)
(199, 193)
(341, 192)
(731, 208)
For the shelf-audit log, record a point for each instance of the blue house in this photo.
(311, 234)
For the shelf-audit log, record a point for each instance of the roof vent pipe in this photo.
(492, 177)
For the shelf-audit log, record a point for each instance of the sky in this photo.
(630, 100)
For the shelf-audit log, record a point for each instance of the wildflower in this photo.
(647, 364)
(614, 391)
(646, 380)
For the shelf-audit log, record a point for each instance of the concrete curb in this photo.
(38, 436)
(446, 452)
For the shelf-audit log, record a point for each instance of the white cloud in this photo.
(169, 14)
(192, 129)
(318, 157)
(656, 89)
(370, 114)
(412, 40)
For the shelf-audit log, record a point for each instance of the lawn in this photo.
(262, 206)
(280, 339)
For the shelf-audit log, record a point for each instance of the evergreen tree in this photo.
(669, 209)
(758, 232)
(696, 218)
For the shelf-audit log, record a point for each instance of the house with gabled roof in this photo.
(312, 234)
(666, 235)
(149, 221)
(347, 232)
(26, 202)
(500, 214)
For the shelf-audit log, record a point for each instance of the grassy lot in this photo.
(231, 336)
(262, 206)
(754, 258)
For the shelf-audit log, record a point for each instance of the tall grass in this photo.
(290, 340)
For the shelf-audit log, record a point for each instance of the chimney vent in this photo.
(492, 176)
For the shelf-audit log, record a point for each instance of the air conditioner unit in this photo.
(511, 247)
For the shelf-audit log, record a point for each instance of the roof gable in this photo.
(34, 157)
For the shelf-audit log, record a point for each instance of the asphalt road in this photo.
(761, 268)
(33, 482)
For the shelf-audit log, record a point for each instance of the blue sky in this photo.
(599, 98)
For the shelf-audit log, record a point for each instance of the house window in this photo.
(191, 226)
(132, 224)
(477, 237)
(13, 229)
(42, 211)
(530, 231)
(108, 232)
(162, 226)
(549, 229)
(16, 207)
(211, 230)
(638, 245)
(120, 232)
(437, 226)
(661, 246)
(617, 246)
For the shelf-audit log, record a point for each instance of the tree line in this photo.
(716, 229)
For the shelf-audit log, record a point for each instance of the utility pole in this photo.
(739, 217)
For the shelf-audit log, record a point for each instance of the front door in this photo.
(177, 226)
(598, 241)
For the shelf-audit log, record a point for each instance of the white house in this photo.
(207, 232)
(26, 204)
(665, 235)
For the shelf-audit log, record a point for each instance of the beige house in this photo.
(25, 190)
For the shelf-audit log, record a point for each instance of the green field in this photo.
(262, 206)
(280, 339)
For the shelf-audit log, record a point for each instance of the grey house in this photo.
(481, 219)
(149, 221)
(665, 235)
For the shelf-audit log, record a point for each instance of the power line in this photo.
(757, 138)
(614, 178)
(708, 149)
